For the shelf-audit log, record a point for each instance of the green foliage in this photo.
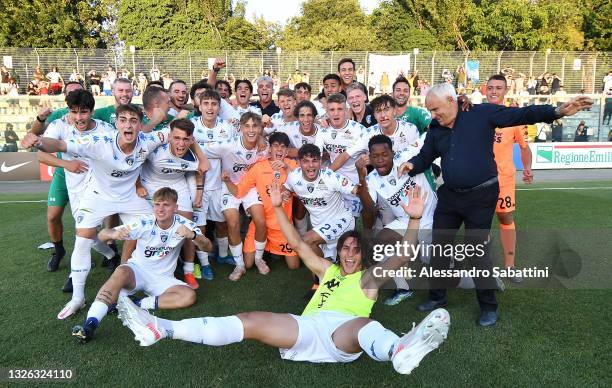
(598, 25)
(52, 23)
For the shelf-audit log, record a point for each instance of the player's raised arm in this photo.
(196, 235)
(75, 166)
(45, 144)
(314, 263)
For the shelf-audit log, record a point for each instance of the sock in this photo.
(97, 310)
(401, 283)
(507, 235)
(59, 248)
(113, 246)
(223, 244)
(208, 330)
(203, 257)
(377, 341)
(149, 303)
(103, 249)
(301, 226)
(237, 253)
(80, 264)
(259, 249)
(188, 267)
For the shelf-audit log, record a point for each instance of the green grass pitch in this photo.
(543, 337)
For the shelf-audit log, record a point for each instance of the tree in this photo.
(395, 29)
(598, 25)
(328, 25)
(52, 23)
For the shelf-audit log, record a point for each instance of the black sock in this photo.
(59, 248)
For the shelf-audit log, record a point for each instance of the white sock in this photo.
(208, 330)
(188, 267)
(97, 310)
(237, 253)
(80, 264)
(103, 249)
(149, 303)
(223, 244)
(377, 341)
(401, 283)
(203, 257)
(260, 246)
(301, 225)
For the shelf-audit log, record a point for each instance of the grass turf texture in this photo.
(543, 337)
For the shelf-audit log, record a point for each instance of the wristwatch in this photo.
(39, 120)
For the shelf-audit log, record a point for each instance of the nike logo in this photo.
(5, 168)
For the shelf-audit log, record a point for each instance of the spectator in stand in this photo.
(10, 139)
(107, 86)
(361, 76)
(13, 90)
(544, 81)
(424, 89)
(33, 87)
(532, 85)
(294, 79)
(156, 74)
(167, 80)
(519, 82)
(557, 131)
(5, 75)
(476, 97)
(555, 83)
(141, 83)
(39, 74)
(461, 77)
(560, 96)
(94, 82)
(43, 88)
(111, 74)
(385, 84)
(76, 76)
(607, 82)
(306, 77)
(607, 108)
(125, 73)
(581, 132)
(56, 82)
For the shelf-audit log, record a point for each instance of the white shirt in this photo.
(322, 197)
(113, 173)
(221, 132)
(163, 169)
(249, 108)
(393, 189)
(405, 134)
(235, 158)
(320, 109)
(157, 249)
(61, 130)
(297, 138)
(336, 141)
(54, 77)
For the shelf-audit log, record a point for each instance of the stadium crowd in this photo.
(183, 178)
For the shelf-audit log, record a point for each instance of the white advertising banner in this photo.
(552, 156)
(392, 65)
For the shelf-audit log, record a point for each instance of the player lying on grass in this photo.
(261, 176)
(151, 268)
(334, 327)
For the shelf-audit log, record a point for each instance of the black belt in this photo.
(481, 186)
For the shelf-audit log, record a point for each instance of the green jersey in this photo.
(57, 114)
(342, 294)
(107, 114)
(418, 116)
(160, 126)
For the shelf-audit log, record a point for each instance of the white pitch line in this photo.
(566, 188)
(37, 201)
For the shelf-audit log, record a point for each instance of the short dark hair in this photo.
(178, 81)
(337, 98)
(334, 77)
(80, 98)
(129, 108)
(303, 85)
(285, 93)
(400, 80)
(309, 150)
(183, 124)
(243, 81)
(382, 101)
(156, 84)
(150, 96)
(211, 94)
(251, 115)
(498, 77)
(345, 60)
(279, 137)
(202, 84)
(307, 104)
(224, 82)
(380, 139)
(72, 83)
(165, 194)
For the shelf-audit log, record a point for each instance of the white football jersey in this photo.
(336, 141)
(296, 138)
(322, 197)
(61, 130)
(235, 158)
(405, 134)
(222, 132)
(393, 189)
(227, 111)
(157, 249)
(113, 173)
(163, 169)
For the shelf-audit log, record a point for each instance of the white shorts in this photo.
(184, 202)
(93, 208)
(149, 282)
(314, 342)
(211, 208)
(353, 203)
(331, 231)
(230, 202)
(75, 200)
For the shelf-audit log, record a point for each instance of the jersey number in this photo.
(505, 203)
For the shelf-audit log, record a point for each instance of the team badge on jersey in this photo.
(334, 134)
(310, 188)
(164, 237)
(129, 160)
(345, 181)
(392, 181)
(248, 156)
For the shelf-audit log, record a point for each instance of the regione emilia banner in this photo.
(571, 155)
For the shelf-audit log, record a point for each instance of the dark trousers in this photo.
(475, 210)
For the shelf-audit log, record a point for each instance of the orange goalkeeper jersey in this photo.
(503, 147)
(261, 175)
